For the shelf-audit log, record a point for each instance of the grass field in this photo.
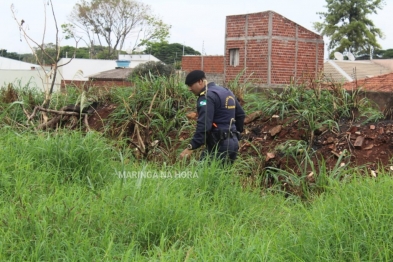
(69, 196)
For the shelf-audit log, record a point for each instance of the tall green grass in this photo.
(151, 110)
(75, 197)
(317, 105)
(351, 222)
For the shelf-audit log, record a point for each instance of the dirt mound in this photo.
(356, 144)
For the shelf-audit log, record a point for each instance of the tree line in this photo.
(169, 53)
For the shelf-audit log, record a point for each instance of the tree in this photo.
(169, 53)
(81, 52)
(65, 52)
(12, 55)
(29, 57)
(377, 54)
(112, 22)
(152, 68)
(388, 53)
(42, 52)
(45, 53)
(51, 58)
(348, 27)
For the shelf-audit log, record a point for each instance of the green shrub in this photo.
(153, 68)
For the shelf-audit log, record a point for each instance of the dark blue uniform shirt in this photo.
(218, 109)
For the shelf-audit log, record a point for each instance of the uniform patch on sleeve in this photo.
(202, 103)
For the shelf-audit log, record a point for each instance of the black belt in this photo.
(222, 135)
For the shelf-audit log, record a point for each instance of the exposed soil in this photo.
(354, 144)
(97, 119)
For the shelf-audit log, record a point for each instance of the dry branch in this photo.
(251, 117)
(60, 112)
(50, 123)
(86, 120)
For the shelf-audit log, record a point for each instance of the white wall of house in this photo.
(22, 74)
(138, 59)
(80, 69)
(34, 79)
(8, 63)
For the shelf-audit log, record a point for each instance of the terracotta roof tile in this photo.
(382, 83)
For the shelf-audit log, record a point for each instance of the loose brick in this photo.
(359, 142)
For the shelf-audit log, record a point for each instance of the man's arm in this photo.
(205, 108)
(239, 117)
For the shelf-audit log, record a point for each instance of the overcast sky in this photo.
(199, 24)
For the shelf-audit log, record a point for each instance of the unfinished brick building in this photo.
(271, 49)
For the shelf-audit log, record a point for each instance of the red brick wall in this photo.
(232, 71)
(94, 83)
(189, 63)
(211, 64)
(257, 24)
(110, 83)
(382, 83)
(237, 23)
(283, 26)
(258, 65)
(288, 53)
(283, 61)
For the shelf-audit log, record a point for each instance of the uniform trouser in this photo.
(225, 150)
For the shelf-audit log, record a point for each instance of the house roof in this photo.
(8, 63)
(137, 59)
(347, 71)
(82, 69)
(113, 74)
(381, 83)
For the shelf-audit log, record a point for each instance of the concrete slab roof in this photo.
(113, 74)
(8, 63)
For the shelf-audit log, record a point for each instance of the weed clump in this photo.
(152, 68)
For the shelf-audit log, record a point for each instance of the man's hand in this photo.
(186, 153)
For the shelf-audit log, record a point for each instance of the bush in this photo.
(153, 68)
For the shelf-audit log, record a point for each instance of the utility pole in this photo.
(203, 51)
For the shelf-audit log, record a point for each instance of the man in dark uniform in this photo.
(220, 119)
